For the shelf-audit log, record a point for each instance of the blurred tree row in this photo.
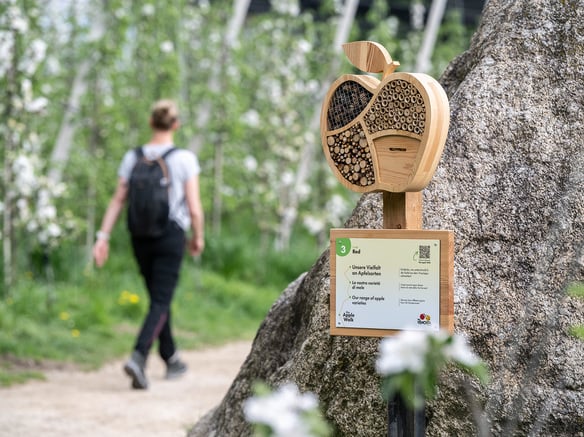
(78, 77)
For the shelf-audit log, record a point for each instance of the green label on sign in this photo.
(343, 246)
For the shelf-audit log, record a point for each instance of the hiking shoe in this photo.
(175, 367)
(134, 368)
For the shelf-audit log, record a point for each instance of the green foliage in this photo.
(577, 331)
(95, 317)
(11, 374)
(210, 309)
(245, 257)
(576, 289)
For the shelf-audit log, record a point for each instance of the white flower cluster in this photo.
(282, 411)
(407, 351)
(417, 13)
(34, 200)
(12, 22)
(333, 213)
(286, 7)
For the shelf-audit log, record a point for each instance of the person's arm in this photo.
(193, 198)
(117, 202)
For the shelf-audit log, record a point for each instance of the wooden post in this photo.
(403, 211)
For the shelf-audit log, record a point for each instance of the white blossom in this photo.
(460, 352)
(417, 11)
(120, 13)
(23, 210)
(47, 212)
(250, 163)
(313, 224)
(282, 411)
(59, 189)
(404, 352)
(17, 20)
(337, 207)
(287, 178)
(34, 55)
(37, 104)
(286, 7)
(251, 118)
(166, 46)
(43, 237)
(304, 46)
(32, 226)
(25, 178)
(148, 10)
(38, 49)
(54, 230)
(303, 190)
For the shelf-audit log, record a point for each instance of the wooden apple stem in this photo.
(389, 68)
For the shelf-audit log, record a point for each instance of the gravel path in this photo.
(101, 404)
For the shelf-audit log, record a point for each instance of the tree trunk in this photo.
(9, 150)
(423, 60)
(65, 137)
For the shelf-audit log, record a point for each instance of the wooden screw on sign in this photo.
(387, 135)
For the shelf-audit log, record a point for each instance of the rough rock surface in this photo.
(511, 187)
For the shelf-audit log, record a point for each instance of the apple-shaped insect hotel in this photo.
(383, 135)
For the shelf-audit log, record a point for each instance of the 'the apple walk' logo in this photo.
(383, 134)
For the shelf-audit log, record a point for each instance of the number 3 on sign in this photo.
(343, 246)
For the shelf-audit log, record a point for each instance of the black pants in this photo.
(159, 260)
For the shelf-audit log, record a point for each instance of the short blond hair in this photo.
(164, 114)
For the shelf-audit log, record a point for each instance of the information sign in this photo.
(384, 281)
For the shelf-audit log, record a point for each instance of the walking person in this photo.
(158, 225)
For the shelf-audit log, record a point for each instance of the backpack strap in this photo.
(140, 152)
(168, 152)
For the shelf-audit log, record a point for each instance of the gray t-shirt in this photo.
(182, 165)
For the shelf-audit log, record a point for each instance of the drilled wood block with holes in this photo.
(383, 135)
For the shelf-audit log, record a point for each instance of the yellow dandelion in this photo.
(64, 315)
(75, 333)
(134, 299)
(125, 297)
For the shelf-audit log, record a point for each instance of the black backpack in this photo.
(148, 189)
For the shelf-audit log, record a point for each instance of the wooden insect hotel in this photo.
(383, 135)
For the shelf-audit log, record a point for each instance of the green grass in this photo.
(10, 375)
(88, 316)
(577, 290)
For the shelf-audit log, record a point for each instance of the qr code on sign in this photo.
(424, 252)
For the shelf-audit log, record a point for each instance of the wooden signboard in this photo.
(385, 281)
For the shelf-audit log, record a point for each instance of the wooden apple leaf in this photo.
(369, 56)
